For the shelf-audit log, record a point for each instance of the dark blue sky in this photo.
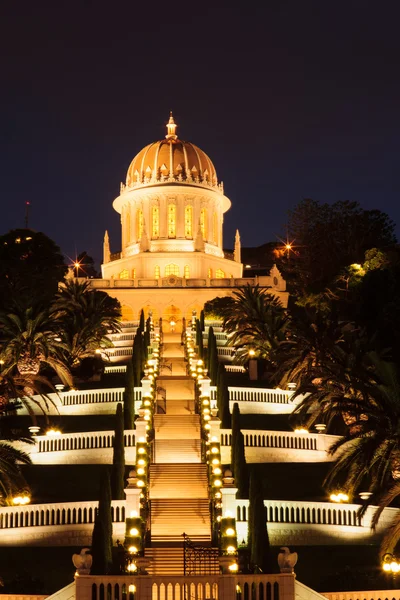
(290, 99)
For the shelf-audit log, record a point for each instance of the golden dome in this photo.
(171, 160)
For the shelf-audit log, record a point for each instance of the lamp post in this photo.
(253, 371)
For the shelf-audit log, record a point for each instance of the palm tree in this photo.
(29, 391)
(87, 317)
(255, 320)
(309, 338)
(30, 338)
(11, 478)
(368, 455)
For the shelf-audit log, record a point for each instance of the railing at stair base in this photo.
(202, 587)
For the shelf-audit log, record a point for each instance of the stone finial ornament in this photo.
(287, 560)
(83, 561)
(237, 256)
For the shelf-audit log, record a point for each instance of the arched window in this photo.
(171, 220)
(155, 219)
(186, 272)
(157, 272)
(124, 274)
(215, 227)
(209, 274)
(203, 223)
(189, 221)
(139, 223)
(219, 274)
(133, 273)
(171, 270)
(128, 227)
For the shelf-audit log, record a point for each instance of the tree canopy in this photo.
(31, 266)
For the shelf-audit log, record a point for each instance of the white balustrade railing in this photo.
(281, 439)
(252, 394)
(129, 324)
(81, 441)
(114, 369)
(74, 397)
(122, 337)
(235, 369)
(63, 513)
(364, 595)
(195, 587)
(310, 513)
(126, 351)
(253, 400)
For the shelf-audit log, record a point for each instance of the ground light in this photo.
(390, 563)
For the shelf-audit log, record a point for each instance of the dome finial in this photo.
(171, 126)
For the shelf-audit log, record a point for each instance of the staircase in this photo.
(178, 483)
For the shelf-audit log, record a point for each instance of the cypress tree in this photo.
(129, 397)
(141, 321)
(118, 468)
(202, 326)
(213, 363)
(223, 397)
(258, 540)
(199, 337)
(238, 457)
(137, 357)
(240, 467)
(235, 430)
(102, 530)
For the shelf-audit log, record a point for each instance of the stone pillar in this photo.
(132, 493)
(205, 384)
(228, 492)
(146, 387)
(227, 586)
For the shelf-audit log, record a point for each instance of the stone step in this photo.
(178, 427)
(173, 451)
(167, 560)
(171, 518)
(179, 407)
(178, 481)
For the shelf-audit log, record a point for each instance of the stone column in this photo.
(132, 493)
(228, 492)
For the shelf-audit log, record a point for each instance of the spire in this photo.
(106, 248)
(238, 247)
(171, 127)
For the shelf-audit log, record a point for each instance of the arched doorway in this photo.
(172, 319)
(127, 313)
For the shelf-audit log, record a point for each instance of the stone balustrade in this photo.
(365, 595)
(66, 513)
(93, 447)
(22, 597)
(80, 397)
(280, 446)
(81, 441)
(172, 587)
(114, 369)
(62, 524)
(253, 400)
(235, 369)
(315, 513)
(316, 523)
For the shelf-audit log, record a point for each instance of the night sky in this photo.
(290, 99)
